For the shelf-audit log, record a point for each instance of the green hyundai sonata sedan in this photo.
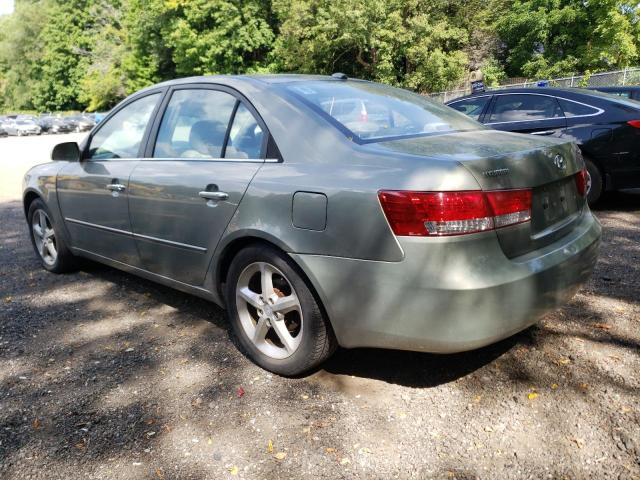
(322, 211)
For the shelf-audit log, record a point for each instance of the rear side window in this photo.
(471, 107)
(245, 136)
(367, 111)
(575, 109)
(524, 108)
(194, 124)
(121, 135)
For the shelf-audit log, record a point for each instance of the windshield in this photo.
(371, 111)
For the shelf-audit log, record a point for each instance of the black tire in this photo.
(64, 261)
(597, 185)
(318, 340)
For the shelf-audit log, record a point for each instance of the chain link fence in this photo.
(628, 76)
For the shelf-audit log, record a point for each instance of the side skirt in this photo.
(154, 277)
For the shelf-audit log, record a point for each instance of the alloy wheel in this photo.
(269, 310)
(44, 237)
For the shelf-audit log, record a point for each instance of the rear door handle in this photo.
(544, 132)
(116, 187)
(218, 196)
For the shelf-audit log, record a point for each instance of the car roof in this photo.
(562, 92)
(234, 80)
(617, 88)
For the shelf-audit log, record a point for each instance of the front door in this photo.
(537, 114)
(208, 147)
(93, 193)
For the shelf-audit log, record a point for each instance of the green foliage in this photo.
(77, 54)
(547, 38)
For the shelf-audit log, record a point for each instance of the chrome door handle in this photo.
(116, 187)
(544, 132)
(219, 196)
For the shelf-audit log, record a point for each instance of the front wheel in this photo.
(47, 242)
(274, 314)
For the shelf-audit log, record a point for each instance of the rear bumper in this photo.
(450, 294)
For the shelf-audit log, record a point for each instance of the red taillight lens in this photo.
(581, 182)
(634, 123)
(453, 213)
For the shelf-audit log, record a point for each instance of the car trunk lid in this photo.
(505, 161)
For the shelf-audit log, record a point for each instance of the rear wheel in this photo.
(274, 315)
(595, 184)
(47, 242)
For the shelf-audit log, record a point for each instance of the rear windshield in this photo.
(370, 111)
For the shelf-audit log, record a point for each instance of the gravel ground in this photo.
(104, 375)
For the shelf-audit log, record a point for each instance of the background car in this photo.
(22, 127)
(80, 123)
(3, 132)
(606, 128)
(629, 91)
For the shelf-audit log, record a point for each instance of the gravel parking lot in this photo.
(104, 375)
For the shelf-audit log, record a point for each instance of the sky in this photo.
(6, 6)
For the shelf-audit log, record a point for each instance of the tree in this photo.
(547, 38)
(20, 53)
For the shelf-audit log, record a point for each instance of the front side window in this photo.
(471, 107)
(195, 124)
(524, 108)
(369, 111)
(121, 135)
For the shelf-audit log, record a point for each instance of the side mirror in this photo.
(66, 152)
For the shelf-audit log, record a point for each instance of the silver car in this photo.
(417, 228)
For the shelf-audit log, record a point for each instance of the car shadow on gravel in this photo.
(417, 369)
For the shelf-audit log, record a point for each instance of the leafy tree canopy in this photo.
(77, 54)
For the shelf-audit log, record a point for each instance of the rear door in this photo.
(206, 148)
(538, 114)
(93, 193)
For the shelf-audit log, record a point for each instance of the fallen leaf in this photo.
(280, 455)
(532, 395)
(329, 450)
(554, 386)
(240, 392)
(8, 299)
(364, 451)
(36, 423)
(270, 447)
(233, 470)
(402, 415)
(304, 397)
(159, 473)
(584, 386)
(602, 326)
(578, 441)
(344, 461)
(563, 361)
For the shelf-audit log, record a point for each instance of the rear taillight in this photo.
(634, 123)
(453, 213)
(581, 182)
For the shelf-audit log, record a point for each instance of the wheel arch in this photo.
(234, 246)
(28, 198)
